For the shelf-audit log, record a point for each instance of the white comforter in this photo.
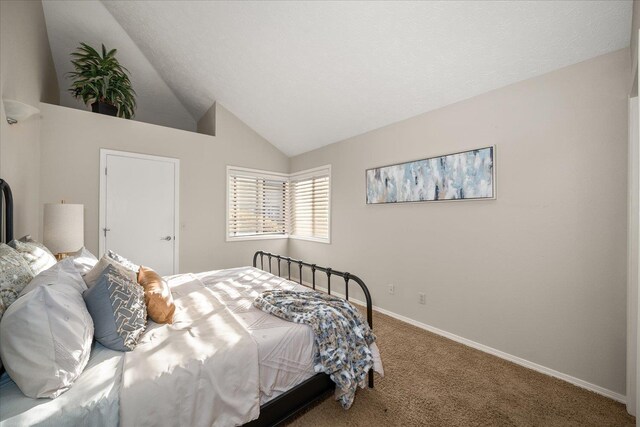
(92, 401)
(285, 349)
(200, 371)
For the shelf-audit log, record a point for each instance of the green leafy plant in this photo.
(101, 78)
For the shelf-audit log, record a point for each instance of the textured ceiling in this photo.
(307, 74)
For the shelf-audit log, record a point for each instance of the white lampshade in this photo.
(63, 227)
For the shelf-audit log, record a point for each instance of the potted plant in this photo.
(101, 81)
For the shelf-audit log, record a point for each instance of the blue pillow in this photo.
(116, 305)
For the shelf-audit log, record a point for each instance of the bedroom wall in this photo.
(207, 123)
(538, 273)
(71, 142)
(27, 75)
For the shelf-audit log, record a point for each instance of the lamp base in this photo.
(61, 256)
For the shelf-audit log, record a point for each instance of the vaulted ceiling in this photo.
(307, 74)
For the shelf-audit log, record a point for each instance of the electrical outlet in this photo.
(392, 289)
(423, 298)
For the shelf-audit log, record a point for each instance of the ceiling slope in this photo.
(72, 22)
(306, 74)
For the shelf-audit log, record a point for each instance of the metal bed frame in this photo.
(288, 404)
(8, 205)
(6, 197)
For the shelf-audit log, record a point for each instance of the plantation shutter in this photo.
(310, 193)
(257, 204)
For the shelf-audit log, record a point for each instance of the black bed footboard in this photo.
(348, 277)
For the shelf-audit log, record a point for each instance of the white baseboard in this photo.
(501, 354)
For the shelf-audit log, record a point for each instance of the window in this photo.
(309, 217)
(257, 205)
(267, 205)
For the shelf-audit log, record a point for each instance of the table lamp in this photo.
(63, 228)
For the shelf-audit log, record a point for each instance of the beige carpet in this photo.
(430, 380)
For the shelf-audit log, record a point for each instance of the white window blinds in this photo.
(265, 204)
(310, 198)
(257, 204)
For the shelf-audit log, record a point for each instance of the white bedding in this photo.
(91, 401)
(215, 365)
(200, 371)
(285, 349)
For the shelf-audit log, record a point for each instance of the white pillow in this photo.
(84, 260)
(92, 276)
(64, 271)
(123, 261)
(46, 334)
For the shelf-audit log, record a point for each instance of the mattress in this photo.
(93, 400)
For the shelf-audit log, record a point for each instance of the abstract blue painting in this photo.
(460, 176)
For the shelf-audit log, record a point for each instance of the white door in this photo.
(139, 209)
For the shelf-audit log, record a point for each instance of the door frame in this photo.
(103, 192)
(633, 275)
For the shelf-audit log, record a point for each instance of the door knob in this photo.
(167, 238)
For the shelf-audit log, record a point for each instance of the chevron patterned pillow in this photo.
(117, 307)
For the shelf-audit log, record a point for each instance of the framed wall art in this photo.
(466, 175)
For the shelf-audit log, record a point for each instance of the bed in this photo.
(222, 362)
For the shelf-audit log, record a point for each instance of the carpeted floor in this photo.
(430, 380)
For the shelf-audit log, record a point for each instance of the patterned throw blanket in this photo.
(342, 336)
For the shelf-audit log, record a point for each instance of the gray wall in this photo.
(26, 75)
(538, 273)
(71, 142)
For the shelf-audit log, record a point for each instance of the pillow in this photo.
(46, 335)
(52, 273)
(123, 261)
(64, 271)
(83, 260)
(37, 256)
(15, 274)
(93, 275)
(116, 305)
(157, 296)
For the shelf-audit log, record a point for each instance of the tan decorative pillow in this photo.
(157, 296)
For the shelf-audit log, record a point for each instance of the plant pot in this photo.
(104, 108)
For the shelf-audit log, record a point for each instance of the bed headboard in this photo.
(7, 199)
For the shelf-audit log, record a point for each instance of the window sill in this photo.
(278, 237)
(246, 238)
(312, 239)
